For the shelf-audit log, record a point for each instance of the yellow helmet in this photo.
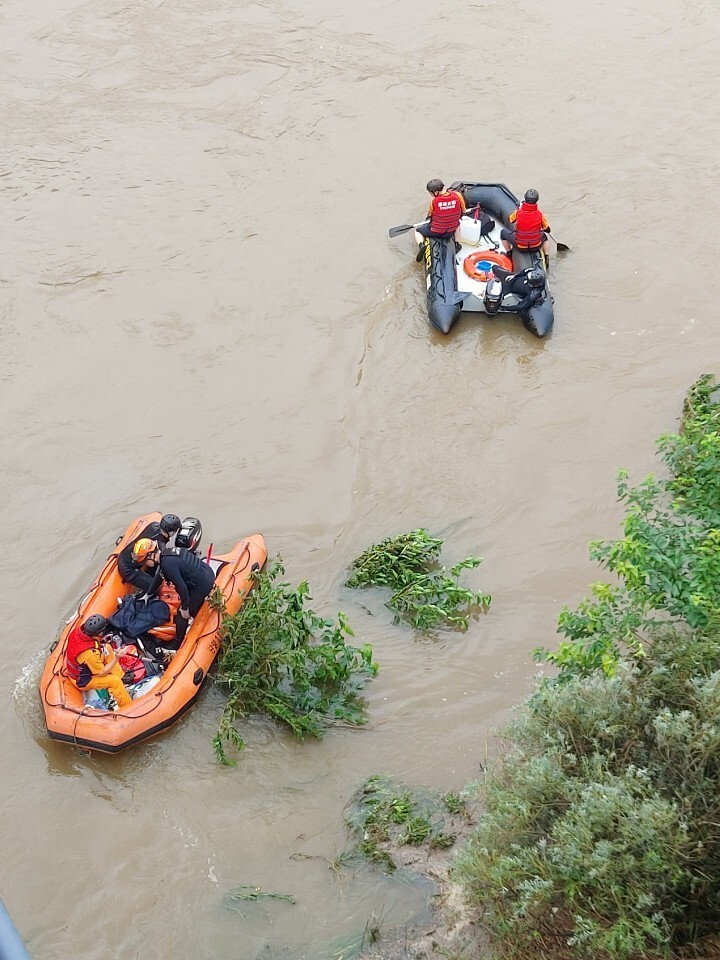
(143, 548)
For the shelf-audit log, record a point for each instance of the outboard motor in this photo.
(190, 534)
(492, 297)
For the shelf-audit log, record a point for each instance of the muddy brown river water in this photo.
(201, 312)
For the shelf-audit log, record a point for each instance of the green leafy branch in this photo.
(282, 659)
(425, 595)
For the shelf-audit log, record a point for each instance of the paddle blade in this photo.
(561, 247)
(403, 228)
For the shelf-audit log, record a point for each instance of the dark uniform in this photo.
(518, 283)
(130, 570)
(192, 579)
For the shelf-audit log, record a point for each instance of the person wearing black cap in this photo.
(529, 228)
(162, 530)
(444, 212)
(92, 664)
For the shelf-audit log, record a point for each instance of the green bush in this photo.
(600, 832)
(595, 866)
(667, 563)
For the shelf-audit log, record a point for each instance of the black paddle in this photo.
(404, 227)
(561, 247)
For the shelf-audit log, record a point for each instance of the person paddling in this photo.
(445, 210)
(530, 228)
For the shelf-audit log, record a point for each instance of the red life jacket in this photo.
(528, 226)
(446, 210)
(78, 642)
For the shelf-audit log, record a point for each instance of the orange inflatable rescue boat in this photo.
(75, 717)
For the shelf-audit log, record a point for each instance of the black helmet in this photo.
(531, 196)
(94, 625)
(535, 277)
(435, 186)
(170, 524)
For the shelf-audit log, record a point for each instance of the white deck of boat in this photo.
(465, 283)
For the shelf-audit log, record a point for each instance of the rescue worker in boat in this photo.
(445, 210)
(530, 228)
(136, 565)
(528, 285)
(162, 530)
(192, 578)
(92, 664)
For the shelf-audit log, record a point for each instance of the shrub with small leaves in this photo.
(569, 853)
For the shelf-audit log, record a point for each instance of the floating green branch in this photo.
(383, 815)
(248, 894)
(425, 595)
(284, 660)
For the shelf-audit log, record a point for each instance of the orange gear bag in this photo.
(169, 595)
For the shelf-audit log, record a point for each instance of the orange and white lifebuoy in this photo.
(479, 265)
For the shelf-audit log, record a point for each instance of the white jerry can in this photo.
(469, 230)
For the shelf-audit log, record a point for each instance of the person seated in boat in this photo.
(444, 212)
(192, 578)
(527, 285)
(136, 565)
(530, 228)
(92, 664)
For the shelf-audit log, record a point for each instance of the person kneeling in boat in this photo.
(192, 578)
(527, 285)
(138, 565)
(92, 664)
(136, 562)
(530, 228)
(445, 210)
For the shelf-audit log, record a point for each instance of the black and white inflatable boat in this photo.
(463, 280)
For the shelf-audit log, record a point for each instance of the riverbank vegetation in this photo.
(600, 831)
(424, 594)
(280, 658)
